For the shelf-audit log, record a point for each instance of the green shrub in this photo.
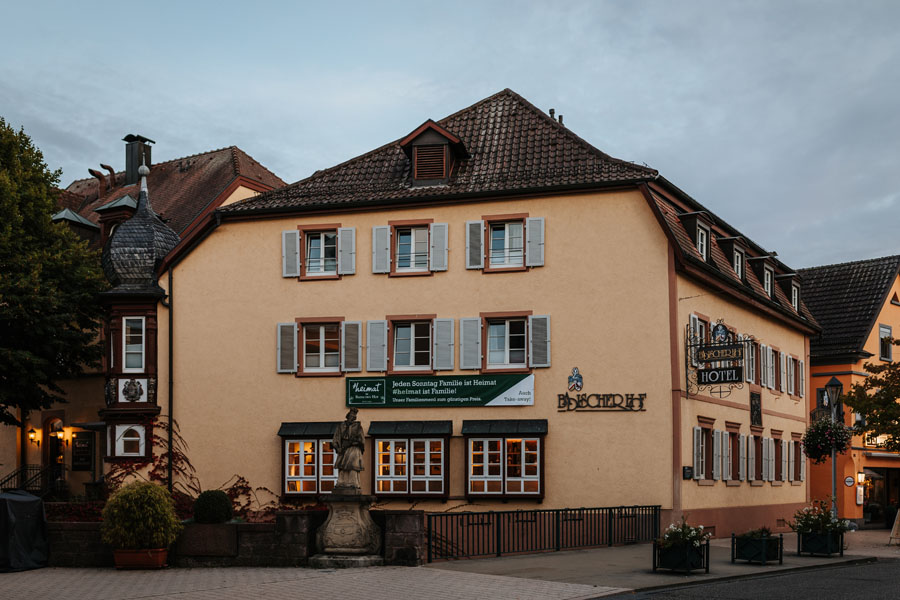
(757, 534)
(212, 506)
(140, 516)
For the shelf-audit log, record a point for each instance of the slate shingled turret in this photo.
(137, 247)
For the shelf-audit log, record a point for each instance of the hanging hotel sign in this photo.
(596, 402)
(715, 365)
(452, 391)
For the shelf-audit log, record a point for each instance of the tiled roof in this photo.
(513, 147)
(182, 188)
(846, 299)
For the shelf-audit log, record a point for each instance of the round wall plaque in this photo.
(848, 481)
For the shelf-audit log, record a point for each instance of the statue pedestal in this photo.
(349, 537)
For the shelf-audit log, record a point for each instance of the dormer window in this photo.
(430, 162)
(769, 281)
(795, 297)
(738, 263)
(433, 153)
(703, 242)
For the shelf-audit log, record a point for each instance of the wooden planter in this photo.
(820, 544)
(140, 559)
(682, 558)
(757, 550)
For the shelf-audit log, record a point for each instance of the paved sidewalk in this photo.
(573, 575)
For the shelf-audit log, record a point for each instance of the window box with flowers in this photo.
(818, 531)
(682, 548)
(757, 545)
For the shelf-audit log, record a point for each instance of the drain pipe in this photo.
(167, 302)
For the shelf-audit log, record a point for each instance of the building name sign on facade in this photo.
(600, 402)
(720, 352)
(716, 364)
(719, 376)
(441, 392)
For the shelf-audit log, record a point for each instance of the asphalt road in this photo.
(874, 581)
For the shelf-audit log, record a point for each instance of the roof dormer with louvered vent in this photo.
(433, 152)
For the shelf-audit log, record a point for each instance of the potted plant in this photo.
(682, 548)
(757, 545)
(818, 531)
(210, 533)
(139, 522)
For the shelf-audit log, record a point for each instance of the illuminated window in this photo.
(509, 465)
(321, 347)
(309, 466)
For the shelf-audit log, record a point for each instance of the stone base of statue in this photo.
(349, 537)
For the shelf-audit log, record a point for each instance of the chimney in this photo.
(560, 120)
(137, 152)
(112, 175)
(101, 179)
(552, 110)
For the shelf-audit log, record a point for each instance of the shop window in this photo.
(309, 466)
(885, 346)
(409, 466)
(504, 466)
(133, 344)
(130, 440)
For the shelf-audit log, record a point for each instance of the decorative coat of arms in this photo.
(576, 381)
(132, 390)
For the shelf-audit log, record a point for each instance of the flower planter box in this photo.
(140, 559)
(757, 550)
(682, 558)
(820, 544)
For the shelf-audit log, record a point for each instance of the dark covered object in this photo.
(23, 532)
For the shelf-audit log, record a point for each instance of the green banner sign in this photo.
(454, 390)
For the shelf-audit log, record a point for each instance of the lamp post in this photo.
(833, 391)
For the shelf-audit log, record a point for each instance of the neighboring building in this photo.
(858, 306)
(424, 282)
(186, 191)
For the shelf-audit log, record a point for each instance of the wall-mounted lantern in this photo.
(32, 437)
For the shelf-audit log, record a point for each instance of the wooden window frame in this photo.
(734, 443)
(503, 494)
(490, 220)
(410, 494)
(318, 441)
(739, 263)
(486, 317)
(306, 230)
(704, 233)
(795, 297)
(410, 224)
(777, 474)
(392, 320)
(769, 281)
(881, 343)
(301, 346)
(143, 367)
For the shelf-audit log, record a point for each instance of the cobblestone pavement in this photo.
(376, 583)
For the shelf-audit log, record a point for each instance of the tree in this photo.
(876, 400)
(49, 281)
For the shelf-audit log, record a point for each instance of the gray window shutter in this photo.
(784, 459)
(438, 254)
(474, 244)
(346, 247)
(802, 464)
(698, 452)
(534, 242)
(351, 346)
(717, 454)
(442, 351)
(376, 345)
(726, 456)
(783, 366)
(802, 366)
(290, 253)
(751, 458)
(791, 463)
(470, 343)
(381, 249)
(539, 341)
(742, 457)
(286, 354)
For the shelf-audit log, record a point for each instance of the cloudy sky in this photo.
(783, 117)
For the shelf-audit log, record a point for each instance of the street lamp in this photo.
(833, 391)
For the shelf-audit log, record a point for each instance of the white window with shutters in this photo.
(286, 348)
(321, 347)
(346, 248)
(506, 342)
(376, 345)
(742, 457)
(750, 362)
(412, 246)
(290, 253)
(411, 346)
(443, 350)
(506, 245)
(717, 455)
(470, 343)
(321, 253)
(351, 346)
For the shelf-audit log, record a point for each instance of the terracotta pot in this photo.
(140, 559)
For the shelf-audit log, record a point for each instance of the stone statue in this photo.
(349, 446)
